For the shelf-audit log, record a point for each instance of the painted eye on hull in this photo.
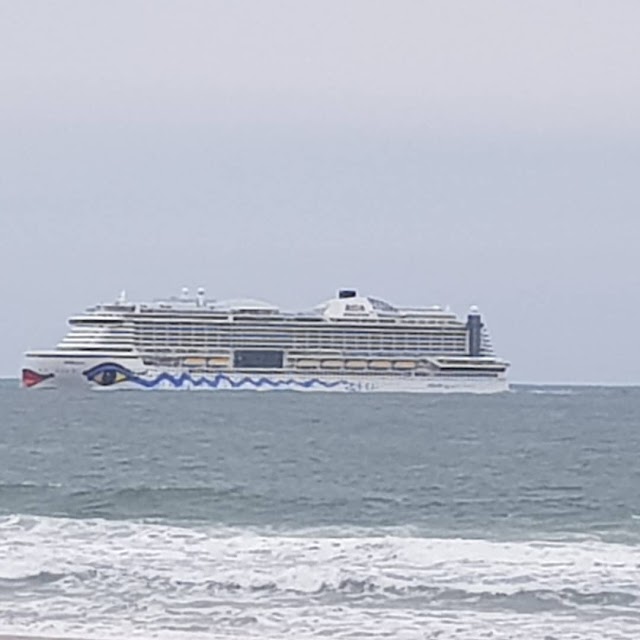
(108, 377)
(107, 374)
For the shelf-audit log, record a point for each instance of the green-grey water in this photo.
(291, 515)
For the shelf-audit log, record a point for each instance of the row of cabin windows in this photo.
(233, 328)
(237, 341)
(306, 335)
(300, 343)
(205, 351)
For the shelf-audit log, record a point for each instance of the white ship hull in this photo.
(131, 374)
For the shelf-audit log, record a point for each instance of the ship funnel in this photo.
(200, 297)
(474, 332)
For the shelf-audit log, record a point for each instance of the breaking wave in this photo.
(141, 579)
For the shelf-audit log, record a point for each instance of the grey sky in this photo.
(425, 152)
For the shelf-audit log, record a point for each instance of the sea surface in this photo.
(289, 515)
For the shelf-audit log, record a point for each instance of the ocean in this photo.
(288, 515)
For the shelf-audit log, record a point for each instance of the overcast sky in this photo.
(451, 152)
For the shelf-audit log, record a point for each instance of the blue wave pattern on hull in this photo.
(247, 381)
(111, 373)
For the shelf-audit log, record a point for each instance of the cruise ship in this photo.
(348, 343)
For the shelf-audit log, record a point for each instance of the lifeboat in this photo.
(356, 364)
(307, 364)
(404, 365)
(194, 362)
(332, 364)
(219, 361)
(380, 364)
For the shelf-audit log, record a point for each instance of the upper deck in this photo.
(347, 307)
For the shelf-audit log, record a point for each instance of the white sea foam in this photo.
(548, 391)
(105, 579)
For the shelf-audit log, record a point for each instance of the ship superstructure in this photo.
(348, 343)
